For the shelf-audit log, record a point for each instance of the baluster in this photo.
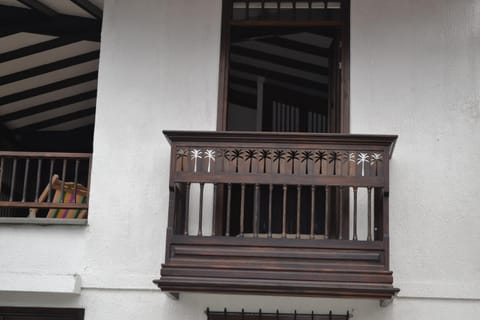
(355, 236)
(200, 210)
(369, 237)
(187, 208)
(330, 315)
(327, 211)
(270, 194)
(14, 173)
(64, 172)
(1, 174)
(242, 209)
(299, 195)
(75, 181)
(37, 184)
(284, 213)
(214, 210)
(277, 315)
(340, 218)
(256, 210)
(25, 179)
(52, 163)
(312, 214)
(229, 201)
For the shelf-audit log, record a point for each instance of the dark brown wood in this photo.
(49, 205)
(224, 66)
(281, 260)
(187, 209)
(25, 193)
(25, 179)
(355, 191)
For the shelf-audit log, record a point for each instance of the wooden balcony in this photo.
(44, 187)
(278, 214)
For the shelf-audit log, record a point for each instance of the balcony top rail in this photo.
(280, 158)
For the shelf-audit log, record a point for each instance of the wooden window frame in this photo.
(343, 113)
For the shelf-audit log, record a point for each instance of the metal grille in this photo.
(242, 315)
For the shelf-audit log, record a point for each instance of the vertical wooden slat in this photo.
(229, 208)
(214, 222)
(64, 173)
(270, 203)
(37, 183)
(256, 210)
(200, 210)
(187, 208)
(327, 211)
(52, 163)
(75, 180)
(299, 195)
(340, 216)
(355, 236)
(12, 184)
(312, 214)
(2, 164)
(284, 212)
(369, 237)
(242, 209)
(25, 179)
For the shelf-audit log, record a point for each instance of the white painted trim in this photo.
(40, 283)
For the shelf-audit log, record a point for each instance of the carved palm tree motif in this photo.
(292, 155)
(376, 158)
(196, 154)
(362, 159)
(210, 155)
(335, 157)
(264, 156)
(320, 156)
(307, 156)
(236, 155)
(278, 155)
(226, 154)
(351, 158)
(250, 155)
(182, 154)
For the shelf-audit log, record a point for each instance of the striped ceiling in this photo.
(49, 51)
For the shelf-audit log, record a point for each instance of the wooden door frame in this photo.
(343, 126)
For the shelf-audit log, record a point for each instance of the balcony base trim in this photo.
(44, 221)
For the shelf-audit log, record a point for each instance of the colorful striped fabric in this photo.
(69, 189)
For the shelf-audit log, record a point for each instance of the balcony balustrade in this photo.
(48, 185)
(279, 214)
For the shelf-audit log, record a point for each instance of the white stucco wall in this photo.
(414, 73)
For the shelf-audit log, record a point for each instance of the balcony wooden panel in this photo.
(284, 214)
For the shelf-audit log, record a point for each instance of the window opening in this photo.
(49, 60)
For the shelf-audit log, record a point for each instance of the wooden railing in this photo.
(44, 184)
(273, 203)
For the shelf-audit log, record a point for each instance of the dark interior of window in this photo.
(18, 313)
(284, 75)
(49, 68)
